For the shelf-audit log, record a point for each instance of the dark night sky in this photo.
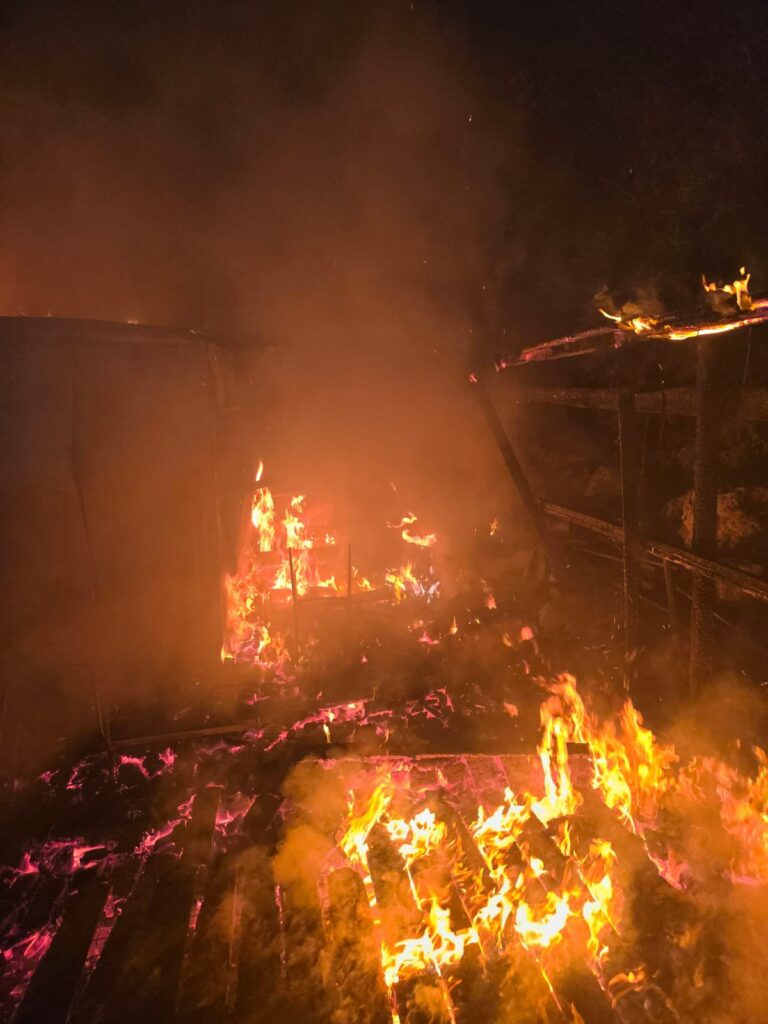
(647, 123)
(628, 142)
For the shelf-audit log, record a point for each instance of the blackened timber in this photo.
(610, 531)
(165, 737)
(122, 946)
(512, 463)
(669, 586)
(705, 489)
(752, 403)
(138, 975)
(754, 586)
(55, 981)
(261, 942)
(353, 965)
(628, 451)
(202, 997)
(197, 841)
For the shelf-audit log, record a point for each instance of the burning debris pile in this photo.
(598, 893)
(291, 556)
(378, 843)
(604, 879)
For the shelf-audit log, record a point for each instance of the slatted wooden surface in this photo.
(205, 933)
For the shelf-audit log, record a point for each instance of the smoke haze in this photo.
(332, 180)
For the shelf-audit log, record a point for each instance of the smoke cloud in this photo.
(332, 181)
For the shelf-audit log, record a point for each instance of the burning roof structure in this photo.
(631, 324)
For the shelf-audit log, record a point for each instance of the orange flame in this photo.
(427, 540)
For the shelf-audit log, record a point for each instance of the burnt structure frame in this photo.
(702, 402)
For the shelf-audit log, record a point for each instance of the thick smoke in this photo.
(331, 181)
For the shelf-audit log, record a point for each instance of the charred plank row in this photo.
(204, 986)
(197, 839)
(301, 993)
(571, 983)
(641, 970)
(26, 934)
(259, 955)
(355, 983)
(234, 964)
(55, 981)
(122, 946)
(145, 981)
(169, 916)
(137, 976)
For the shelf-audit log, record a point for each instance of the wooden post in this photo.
(628, 452)
(674, 616)
(705, 490)
(349, 578)
(514, 468)
(295, 603)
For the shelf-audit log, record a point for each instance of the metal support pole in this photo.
(630, 505)
(512, 463)
(705, 489)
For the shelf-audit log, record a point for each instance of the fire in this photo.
(537, 881)
(739, 289)
(426, 540)
(654, 326)
(560, 799)
(278, 558)
(263, 516)
(438, 947)
(417, 837)
(638, 324)
(354, 842)
(547, 928)
(404, 581)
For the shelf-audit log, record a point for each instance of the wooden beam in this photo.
(630, 517)
(754, 586)
(752, 403)
(515, 469)
(705, 490)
